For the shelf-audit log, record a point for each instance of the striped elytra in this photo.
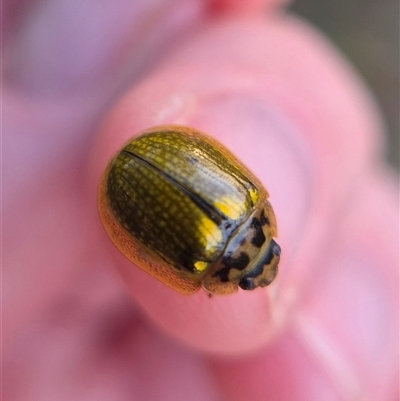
(181, 207)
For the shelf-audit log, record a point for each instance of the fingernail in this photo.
(270, 145)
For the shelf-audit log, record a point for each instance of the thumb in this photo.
(281, 124)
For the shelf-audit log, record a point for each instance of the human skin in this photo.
(80, 322)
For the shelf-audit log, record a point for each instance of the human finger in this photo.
(220, 84)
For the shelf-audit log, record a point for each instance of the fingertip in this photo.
(293, 145)
(232, 325)
(219, 324)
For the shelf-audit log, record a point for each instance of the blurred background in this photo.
(367, 32)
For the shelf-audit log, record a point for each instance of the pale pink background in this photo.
(283, 100)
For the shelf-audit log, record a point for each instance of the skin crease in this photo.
(277, 95)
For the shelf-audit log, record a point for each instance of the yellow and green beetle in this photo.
(180, 206)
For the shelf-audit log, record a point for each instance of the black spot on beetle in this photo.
(267, 258)
(239, 263)
(222, 274)
(259, 237)
(264, 220)
(246, 283)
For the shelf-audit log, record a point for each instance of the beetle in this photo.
(180, 206)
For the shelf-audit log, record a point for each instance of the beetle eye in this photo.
(247, 284)
(276, 249)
